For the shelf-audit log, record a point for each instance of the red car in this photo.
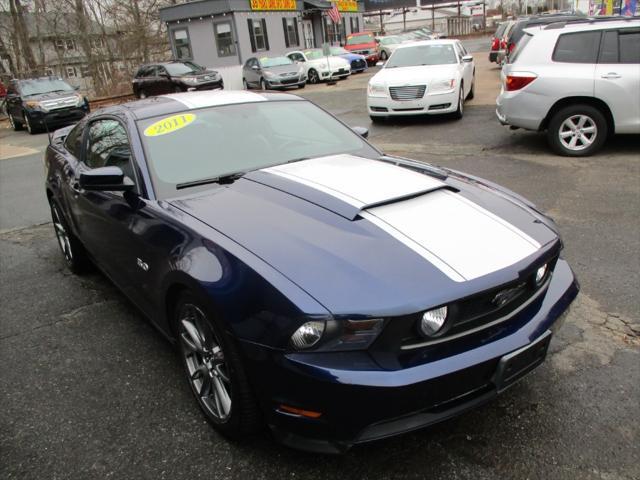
(363, 43)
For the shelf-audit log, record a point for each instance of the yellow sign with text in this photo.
(169, 124)
(273, 4)
(347, 5)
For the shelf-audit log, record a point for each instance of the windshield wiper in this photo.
(221, 180)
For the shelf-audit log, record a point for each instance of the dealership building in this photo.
(225, 33)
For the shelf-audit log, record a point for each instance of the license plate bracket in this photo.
(515, 365)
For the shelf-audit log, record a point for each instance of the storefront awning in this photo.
(316, 4)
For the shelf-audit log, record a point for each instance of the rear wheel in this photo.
(383, 56)
(214, 369)
(75, 256)
(473, 86)
(577, 131)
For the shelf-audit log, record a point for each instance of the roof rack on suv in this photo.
(591, 20)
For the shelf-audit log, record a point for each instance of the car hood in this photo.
(52, 95)
(352, 56)
(411, 75)
(362, 235)
(283, 69)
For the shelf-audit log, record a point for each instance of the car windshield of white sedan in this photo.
(211, 142)
(313, 54)
(267, 62)
(419, 55)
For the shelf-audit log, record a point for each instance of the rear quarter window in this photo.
(629, 44)
(578, 47)
(520, 47)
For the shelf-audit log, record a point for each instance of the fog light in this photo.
(540, 274)
(433, 320)
(307, 335)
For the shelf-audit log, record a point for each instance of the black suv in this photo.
(173, 77)
(43, 103)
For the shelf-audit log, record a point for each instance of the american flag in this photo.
(333, 13)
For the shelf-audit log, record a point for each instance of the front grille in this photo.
(413, 92)
(288, 81)
(60, 103)
(288, 75)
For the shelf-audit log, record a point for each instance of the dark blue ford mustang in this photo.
(310, 282)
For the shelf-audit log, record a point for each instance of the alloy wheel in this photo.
(313, 77)
(383, 56)
(578, 132)
(62, 235)
(27, 123)
(205, 362)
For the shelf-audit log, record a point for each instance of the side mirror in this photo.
(380, 63)
(467, 58)
(109, 179)
(362, 131)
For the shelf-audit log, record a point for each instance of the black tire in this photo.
(245, 85)
(16, 125)
(377, 120)
(302, 85)
(313, 77)
(177, 89)
(565, 126)
(383, 56)
(243, 416)
(473, 88)
(263, 84)
(74, 253)
(459, 113)
(32, 129)
(142, 94)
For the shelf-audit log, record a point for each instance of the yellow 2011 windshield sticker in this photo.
(169, 124)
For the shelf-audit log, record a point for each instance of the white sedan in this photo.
(429, 77)
(320, 67)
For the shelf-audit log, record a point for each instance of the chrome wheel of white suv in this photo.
(577, 130)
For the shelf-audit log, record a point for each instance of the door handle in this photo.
(611, 76)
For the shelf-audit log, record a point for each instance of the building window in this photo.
(181, 44)
(224, 39)
(65, 44)
(334, 32)
(290, 26)
(354, 23)
(48, 72)
(71, 72)
(258, 34)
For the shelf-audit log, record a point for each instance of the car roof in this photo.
(444, 41)
(185, 101)
(586, 25)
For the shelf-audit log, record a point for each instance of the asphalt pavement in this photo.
(88, 389)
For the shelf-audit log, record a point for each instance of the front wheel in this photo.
(302, 85)
(142, 94)
(263, 84)
(473, 88)
(28, 123)
(75, 256)
(17, 126)
(383, 56)
(214, 369)
(577, 131)
(313, 77)
(459, 113)
(245, 85)
(377, 120)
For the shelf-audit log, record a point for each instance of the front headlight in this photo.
(336, 335)
(269, 74)
(34, 104)
(377, 90)
(443, 85)
(189, 79)
(80, 101)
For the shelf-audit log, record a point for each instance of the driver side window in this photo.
(108, 146)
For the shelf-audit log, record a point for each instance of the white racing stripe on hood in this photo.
(356, 180)
(465, 237)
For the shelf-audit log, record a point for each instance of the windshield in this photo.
(437, 54)
(390, 40)
(275, 61)
(339, 51)
(313, 54)
(360, 38)
(215, 141)
(38, 86)
(177, 69)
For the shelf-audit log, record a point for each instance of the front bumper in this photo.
(287, 83)
(335, 74)
(430, 104)
(58, 117)
(361, 402)
(217, 85)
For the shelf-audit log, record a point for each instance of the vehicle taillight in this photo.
(513, 83)
(503, 44)
(495, 44)
(511, 47)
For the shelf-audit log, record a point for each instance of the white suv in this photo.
(579, 81)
